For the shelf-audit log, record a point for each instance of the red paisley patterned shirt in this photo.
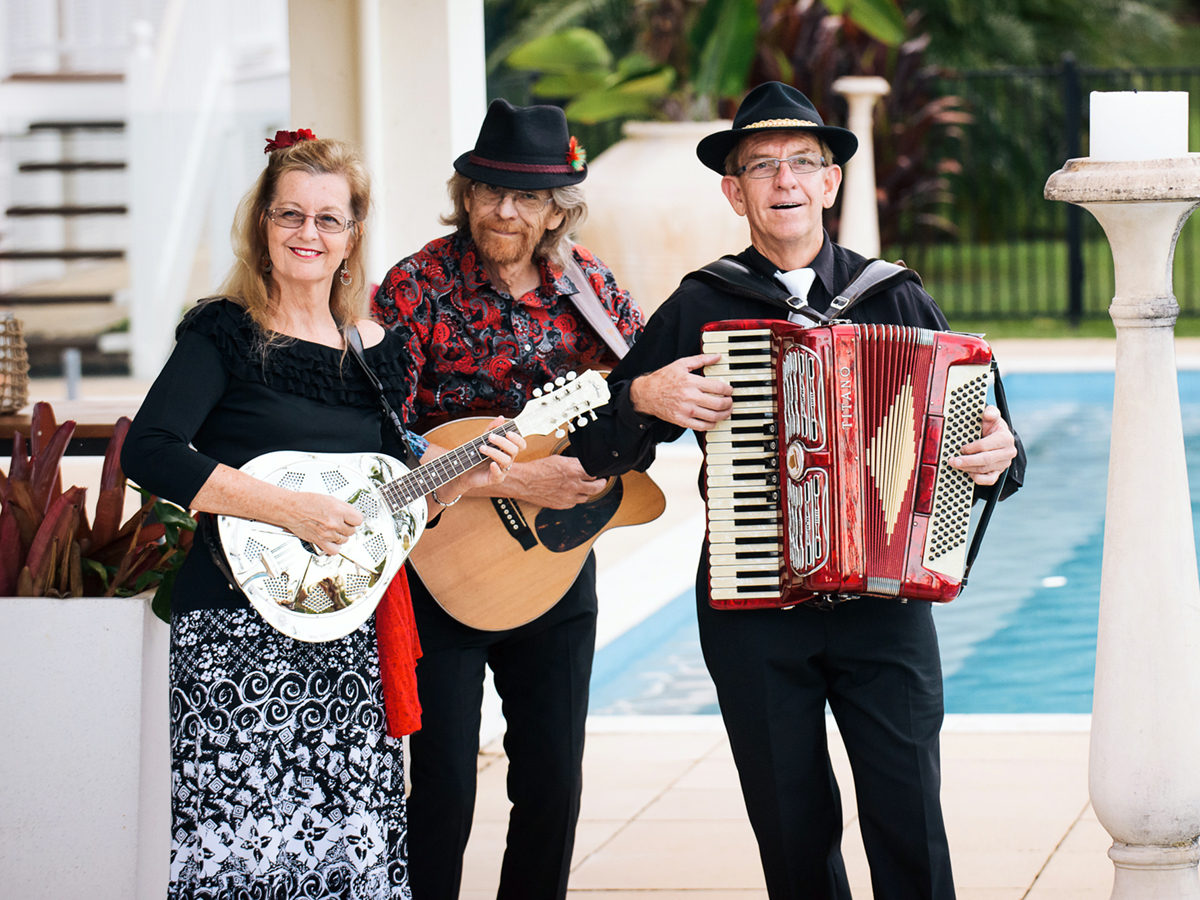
(473, 349)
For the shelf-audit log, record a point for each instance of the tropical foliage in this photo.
(47, 546)
(968, 35)
(688, 59)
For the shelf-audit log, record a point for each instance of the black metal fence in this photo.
(996, 249)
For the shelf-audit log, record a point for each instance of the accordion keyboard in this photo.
(742, 469)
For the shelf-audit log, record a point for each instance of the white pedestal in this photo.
(1144, 778)
(859, 227)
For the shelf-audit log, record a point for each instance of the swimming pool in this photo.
(1022, 637)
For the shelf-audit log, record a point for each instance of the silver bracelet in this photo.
(442, 503)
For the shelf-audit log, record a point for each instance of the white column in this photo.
(859, 227)
(1145, 743)
(436, 96)
(408, 88)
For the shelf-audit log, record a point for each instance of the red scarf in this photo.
(399, 650)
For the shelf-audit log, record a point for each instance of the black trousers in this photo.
(876, 663)
(541, 672)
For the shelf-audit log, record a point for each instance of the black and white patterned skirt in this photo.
(284, 783)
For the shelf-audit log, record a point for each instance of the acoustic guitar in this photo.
(313, 597)
(494, 563)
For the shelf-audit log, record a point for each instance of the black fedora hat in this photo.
(524, 147)
(775, 106)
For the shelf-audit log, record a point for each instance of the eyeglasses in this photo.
(528, 202)
(768, 166)
(330, 223)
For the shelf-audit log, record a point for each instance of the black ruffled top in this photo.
(221, 399)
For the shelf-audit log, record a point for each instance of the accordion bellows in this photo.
(831, 477)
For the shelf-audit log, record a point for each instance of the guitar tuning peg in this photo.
(548, 386)
(537, 392)
(560, 381)
(592, 413)
(570, 376)
(559, 433)
(581, 421)
(570, 427)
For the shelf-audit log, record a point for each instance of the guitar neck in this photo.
(422, 480)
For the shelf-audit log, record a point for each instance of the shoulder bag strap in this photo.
(592, 309)
(355, 345)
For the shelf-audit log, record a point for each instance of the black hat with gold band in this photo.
(524, 147)
(775, 106)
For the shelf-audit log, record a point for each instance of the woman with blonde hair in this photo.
(287, 770)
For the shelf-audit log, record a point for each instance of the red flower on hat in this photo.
(287, 138)
(576, 155)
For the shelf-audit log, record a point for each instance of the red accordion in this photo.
(831, 477)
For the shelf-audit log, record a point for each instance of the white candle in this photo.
(1129, 125)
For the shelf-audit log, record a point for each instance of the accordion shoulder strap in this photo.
(874, 276)
(732, 275)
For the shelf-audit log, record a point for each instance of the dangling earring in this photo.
(344, 276)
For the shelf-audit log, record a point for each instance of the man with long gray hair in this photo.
(488, 317)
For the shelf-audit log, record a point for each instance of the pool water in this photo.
(1022, 636)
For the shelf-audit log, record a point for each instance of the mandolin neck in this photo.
(432, 475)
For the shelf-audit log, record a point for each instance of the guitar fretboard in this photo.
(431, 476)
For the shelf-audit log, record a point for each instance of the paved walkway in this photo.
(663, 816)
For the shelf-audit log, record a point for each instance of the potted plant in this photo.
(84, 689)
(47, 546)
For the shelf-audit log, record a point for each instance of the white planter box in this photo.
(85, 757)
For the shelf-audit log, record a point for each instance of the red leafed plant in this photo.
(47, 546)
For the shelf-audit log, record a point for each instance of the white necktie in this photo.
(798, 281)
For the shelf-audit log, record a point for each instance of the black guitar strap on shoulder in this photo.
(355, 345)
(730, 274)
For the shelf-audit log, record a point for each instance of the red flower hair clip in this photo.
(576, 155)
(287, 138)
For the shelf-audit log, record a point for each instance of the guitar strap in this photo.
(593, 310)
(355, 345)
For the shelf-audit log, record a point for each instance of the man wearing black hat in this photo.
(488, 316)
(874, 661)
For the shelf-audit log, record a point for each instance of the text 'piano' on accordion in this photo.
(832, 475)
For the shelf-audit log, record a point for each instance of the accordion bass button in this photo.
(794, 461)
